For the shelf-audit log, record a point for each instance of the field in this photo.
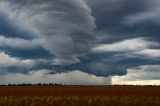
(79, 96)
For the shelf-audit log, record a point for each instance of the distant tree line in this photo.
(60, 84)
(38, 84)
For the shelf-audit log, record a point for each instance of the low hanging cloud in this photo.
(145, 72)
(41, 76)
(140, 75)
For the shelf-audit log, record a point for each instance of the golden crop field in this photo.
(79, 96)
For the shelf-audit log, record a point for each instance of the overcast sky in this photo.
(80, 41)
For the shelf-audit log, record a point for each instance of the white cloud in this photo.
(42, 76)
(121, 81)
(6, 61)
(131, 48)
(20, 43)
(142, 75)
(59, 61)
(150, 52)
(135, 44)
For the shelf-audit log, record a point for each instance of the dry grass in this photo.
(80, 96)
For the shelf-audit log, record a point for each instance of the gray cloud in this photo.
(20, 43)
(123, 19)
(28, 53)
(65, 38)
(120, 24)
(11, 64)
(66, 27)
(10, 28)
(136, 44)
(145, 72)
(42, 76)
(108, 63)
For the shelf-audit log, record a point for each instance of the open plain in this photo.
(79, 96)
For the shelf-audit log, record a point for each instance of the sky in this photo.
(82, 42)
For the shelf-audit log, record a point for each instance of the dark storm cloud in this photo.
(37, 53)
(66, 27)
(23, 48)
(128, 30)
(144, 72)
(9, 28)
(125, 19)
(107, 64)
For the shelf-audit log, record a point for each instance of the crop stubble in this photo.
(79, 96)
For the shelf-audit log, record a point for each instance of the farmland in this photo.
(79, 96)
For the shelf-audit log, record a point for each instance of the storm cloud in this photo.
(102, 38)
(123, 19)
(66, 27)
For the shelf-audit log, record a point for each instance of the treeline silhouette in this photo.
(38, 84)
(60, 84)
